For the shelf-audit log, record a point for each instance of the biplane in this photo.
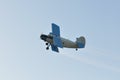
(55, 41)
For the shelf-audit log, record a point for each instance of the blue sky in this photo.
(23, 55)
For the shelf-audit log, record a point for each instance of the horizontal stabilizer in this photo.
(54, 48)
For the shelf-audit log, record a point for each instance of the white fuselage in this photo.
(65, 42)
(68, 43)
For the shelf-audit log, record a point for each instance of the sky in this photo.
(23, 56)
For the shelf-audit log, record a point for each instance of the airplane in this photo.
(54, 40)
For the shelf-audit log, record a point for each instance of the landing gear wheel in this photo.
(76, 49)
(47, 48)
(46, 43)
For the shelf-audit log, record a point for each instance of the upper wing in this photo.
(55, 30)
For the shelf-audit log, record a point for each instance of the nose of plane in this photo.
(43, 37)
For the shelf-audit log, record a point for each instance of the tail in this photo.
(81, 42)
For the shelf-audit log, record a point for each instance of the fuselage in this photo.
(65, 42)
(68, 43)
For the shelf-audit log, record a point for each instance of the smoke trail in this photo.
(92, 61)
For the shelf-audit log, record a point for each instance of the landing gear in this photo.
(47, 48)
(48, 45)
(76, 49)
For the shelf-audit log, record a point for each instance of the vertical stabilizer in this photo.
(81, 42)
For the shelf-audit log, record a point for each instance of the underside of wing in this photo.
(54, 48)
(57, 42)
(56, 35)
